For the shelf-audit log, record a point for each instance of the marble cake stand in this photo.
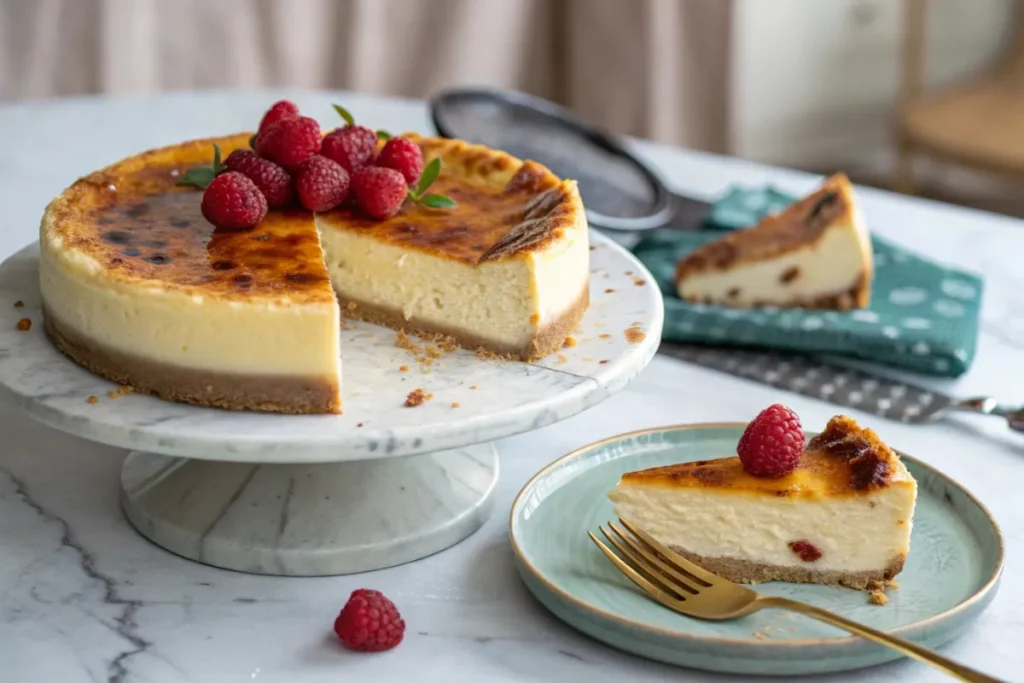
(380, 485)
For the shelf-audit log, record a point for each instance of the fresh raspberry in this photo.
(379, 191)
(772, 443)
(403, 155)
(278, 111)
(289, 142)
(369, 622)
(233, 201)
(273, 181)
(352, 146)
(321, 183)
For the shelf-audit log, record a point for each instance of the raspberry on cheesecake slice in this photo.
(837, 511)
(816, 253)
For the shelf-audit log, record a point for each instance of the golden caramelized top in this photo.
(504, 206)
(798, 225)
(139, 225)
(845, 459)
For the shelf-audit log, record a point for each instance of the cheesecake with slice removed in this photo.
(137, 286)
(816, 253)
(841, 516)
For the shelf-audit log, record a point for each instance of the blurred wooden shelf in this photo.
(978, 124)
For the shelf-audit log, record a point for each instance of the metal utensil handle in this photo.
(910, 649)
(986, 405)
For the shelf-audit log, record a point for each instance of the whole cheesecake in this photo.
(139, 287)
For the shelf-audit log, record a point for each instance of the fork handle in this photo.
(910, 649)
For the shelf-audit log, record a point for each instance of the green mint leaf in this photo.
(383, 135)
(217, 165)
(199, 176)
(430, 174)
(344, 113)
(437, 201)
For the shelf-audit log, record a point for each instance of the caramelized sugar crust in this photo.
(798, 225)
(504, 206)
(140, 226)
(844, 459)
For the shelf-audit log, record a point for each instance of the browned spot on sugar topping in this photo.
(790, 274)
(417, 397)
(805, 550)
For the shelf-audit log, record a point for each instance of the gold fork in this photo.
(684, 587)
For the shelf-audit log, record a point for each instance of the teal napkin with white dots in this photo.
(923, 316)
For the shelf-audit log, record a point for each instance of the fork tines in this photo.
(660, 572)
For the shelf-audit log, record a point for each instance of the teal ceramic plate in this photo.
(951, 574)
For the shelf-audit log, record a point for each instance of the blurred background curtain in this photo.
(653, 68)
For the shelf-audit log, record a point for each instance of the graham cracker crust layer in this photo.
(277, 394)
(547, 339)
(745, 571)
(857, 296)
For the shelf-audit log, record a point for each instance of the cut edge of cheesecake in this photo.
(815, 254)
(535, 272)
(702, 509)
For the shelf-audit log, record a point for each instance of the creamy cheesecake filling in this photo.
(177, 329)
(833, 265)
(503, 303)
(856, 533)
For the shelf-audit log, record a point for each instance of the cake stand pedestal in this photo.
(310, 520)
(305, 495)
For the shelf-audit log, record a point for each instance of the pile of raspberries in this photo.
(291, 161)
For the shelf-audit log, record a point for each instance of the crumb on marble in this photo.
(634, 335)
(485, 354)
(455, 404)
(92, 399)
(359, 424)
(473, 387)
(24, 325)
(602, 362)
(604, 335)
(609, 290)
(560, 358)
(639, 282)
(570, 341)
(19, 304)
(629, 272)
(417, 397)
(403, 368)
(120, 391)
(878, 597)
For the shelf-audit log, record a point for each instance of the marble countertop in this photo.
(83, 597)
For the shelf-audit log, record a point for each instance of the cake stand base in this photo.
(310, 520)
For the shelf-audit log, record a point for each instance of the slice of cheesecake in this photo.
(843, 516)
(816, 253)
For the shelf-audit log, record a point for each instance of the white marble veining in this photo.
(494, 399)
(84, 598)
(310, 520)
